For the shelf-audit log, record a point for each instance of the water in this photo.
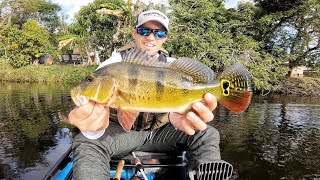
(276, 138)
(31, 134)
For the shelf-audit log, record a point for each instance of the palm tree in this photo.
(124, 16)
(74, 41)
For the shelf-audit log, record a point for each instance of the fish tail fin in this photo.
(236, 88)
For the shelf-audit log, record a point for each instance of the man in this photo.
(102, 137)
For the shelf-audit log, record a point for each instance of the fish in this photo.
(141, 83)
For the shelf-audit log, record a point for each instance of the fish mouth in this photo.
(78, 98)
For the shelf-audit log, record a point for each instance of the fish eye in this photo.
(89, 79)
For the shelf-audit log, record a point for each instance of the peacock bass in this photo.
(145, 84)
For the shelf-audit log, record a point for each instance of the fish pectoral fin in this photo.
(127, 118)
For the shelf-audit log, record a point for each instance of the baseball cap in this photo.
(153, 15)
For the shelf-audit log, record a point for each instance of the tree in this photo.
(100, 30)
(124, 16)
(17, 12)
(106, 24)
(290, 29)
(206, 31)
(23, 46)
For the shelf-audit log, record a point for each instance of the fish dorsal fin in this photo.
(194, 68)
(131, 46)
(139, 57)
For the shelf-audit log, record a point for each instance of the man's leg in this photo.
(201, 147)
(92, 157)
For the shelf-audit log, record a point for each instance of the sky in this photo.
(70, 7)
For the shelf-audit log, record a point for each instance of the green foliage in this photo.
(19, 11)
(100, 28)
(206, 31)
(290, 28)
(23, 46)
(271, 6)
(194, 29)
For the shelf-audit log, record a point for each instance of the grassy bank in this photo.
(303, 86)
(69, 74)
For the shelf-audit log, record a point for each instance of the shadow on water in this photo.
(276, 138)
(30, 128)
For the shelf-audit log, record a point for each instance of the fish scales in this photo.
(155, 88)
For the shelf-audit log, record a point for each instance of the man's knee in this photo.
(212, 132)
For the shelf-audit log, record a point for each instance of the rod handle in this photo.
(119, 170)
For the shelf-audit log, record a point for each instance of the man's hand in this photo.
(197, 117)
(90, 117)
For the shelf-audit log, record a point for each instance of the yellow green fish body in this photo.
(144, 84)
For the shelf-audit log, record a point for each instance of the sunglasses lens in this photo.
(147, 32)
(144, 32)
(160, 34)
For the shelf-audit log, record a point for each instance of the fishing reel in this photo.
(135, 177)
(139, 174)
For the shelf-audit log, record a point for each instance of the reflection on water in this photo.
(276, 138)
(29, 128)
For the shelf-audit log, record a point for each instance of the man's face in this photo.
(150, 44)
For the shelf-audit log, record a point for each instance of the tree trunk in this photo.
(90, 62)
(117, 34)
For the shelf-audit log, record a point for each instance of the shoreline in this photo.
(71, 74)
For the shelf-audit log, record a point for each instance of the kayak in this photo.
(151, 166)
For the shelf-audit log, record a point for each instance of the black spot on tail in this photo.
(225, 87)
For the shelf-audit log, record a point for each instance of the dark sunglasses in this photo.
(158, 33)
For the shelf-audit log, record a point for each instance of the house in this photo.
(298, 71)
(73, 57)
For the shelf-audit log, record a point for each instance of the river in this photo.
(278, 137)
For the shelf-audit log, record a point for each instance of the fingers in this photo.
(192, 123)
(90, 117)
(80, 113)
(204, 109)
(187, 123)
(187, 127)
(195, 122)
(210, 101)
(197, 117)
(102, 122)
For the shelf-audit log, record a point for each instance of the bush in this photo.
(21, 47)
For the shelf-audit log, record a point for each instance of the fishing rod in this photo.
(139, 166)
